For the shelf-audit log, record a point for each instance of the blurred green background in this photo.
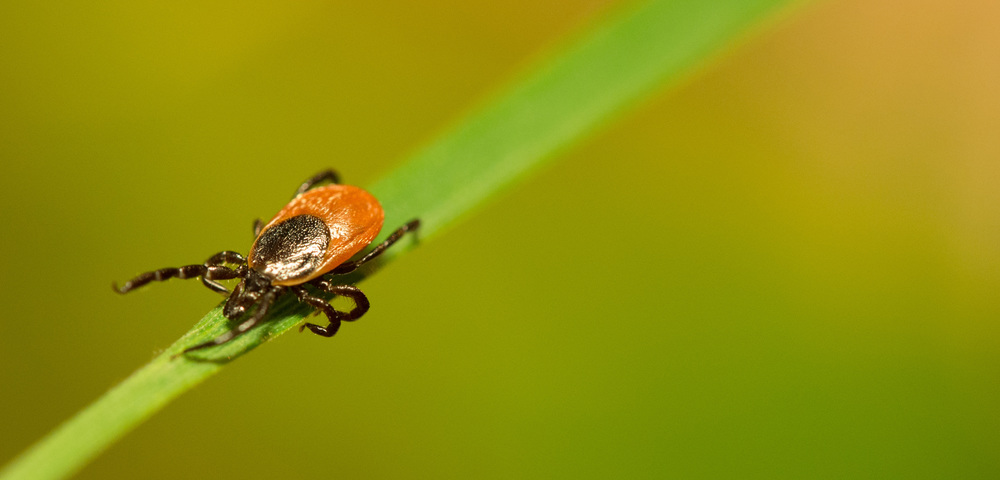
(787, 267)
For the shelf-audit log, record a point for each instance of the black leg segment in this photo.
(220, 259)
(361, 306)
(348, 267)
(211, 272)
(228, 256)
(324, 176)
(321, 306)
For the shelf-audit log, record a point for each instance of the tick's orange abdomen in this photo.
(353, 216)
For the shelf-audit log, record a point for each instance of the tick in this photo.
(308, 242)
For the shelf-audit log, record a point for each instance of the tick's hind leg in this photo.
(209, 272)
(324, 176)
(361, 306)
(321, 306)
(348, 267)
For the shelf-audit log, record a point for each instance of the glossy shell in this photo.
(317, 231)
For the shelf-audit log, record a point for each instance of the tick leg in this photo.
(265, 304)
(228, 256)
(219, 259)
(218, 272)
(321, 305)
(361, 306)
(257, 226)
(348, 267)
(325, 175)
(212, 272)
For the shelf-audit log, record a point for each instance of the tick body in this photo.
(309, 242)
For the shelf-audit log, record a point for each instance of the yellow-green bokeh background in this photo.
(787, 267)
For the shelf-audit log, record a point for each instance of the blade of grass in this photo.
(607, 70)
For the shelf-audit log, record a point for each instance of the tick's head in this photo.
(253, 286)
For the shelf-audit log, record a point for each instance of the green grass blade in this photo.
(612, 67)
